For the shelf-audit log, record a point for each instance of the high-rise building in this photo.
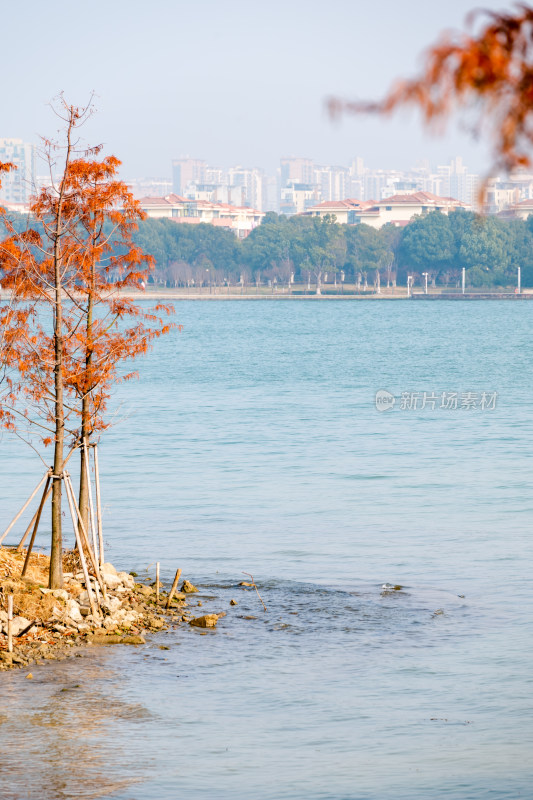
(333, 182)
(17, 185)
(251, 181)
(185, 171)
(297, 170)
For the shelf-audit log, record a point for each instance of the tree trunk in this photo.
(55, 580)
(85, 422)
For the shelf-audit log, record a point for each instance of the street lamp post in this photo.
(426, 286)
(464, 278)
(519, 282)
(409, 280)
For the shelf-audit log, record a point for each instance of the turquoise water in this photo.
(251, 442)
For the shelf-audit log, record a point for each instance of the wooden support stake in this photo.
(37, 520)
(91, 507)
(10, 623)
(174, 587)
(88, 586)
(24, 507)
(93, 559)
(157, 583)
(98, 506)
(32, 523)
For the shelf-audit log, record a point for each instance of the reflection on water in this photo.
(58, 731)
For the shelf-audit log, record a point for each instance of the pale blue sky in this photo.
(230, 81)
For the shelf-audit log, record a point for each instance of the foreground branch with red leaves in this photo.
(489, 75)
(60, 364)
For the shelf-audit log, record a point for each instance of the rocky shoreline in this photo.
(52, 624)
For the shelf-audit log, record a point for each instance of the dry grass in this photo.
(28, 601)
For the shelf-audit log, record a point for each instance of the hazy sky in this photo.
(230, 81)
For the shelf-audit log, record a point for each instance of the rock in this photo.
(109, 568)
(61, 594)
(146, 591)
(29, 675)
(156, 622)
(207, 621)
(6, 658)
(18, 625)
(113, 604)
(126, 579)
(73, 611)
(3, 616)
(85, 611)
(188, 588)
(111, 580)
(102, 639)
(233, 602)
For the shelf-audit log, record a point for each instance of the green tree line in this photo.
(307, 249)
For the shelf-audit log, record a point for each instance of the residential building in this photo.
(251, 183)
(239, 219)
(399, 209)
(18, 184)
(185, 171)
(297, 170)
(522, 210)
(298, 198)
(333, 182)
(345, 211)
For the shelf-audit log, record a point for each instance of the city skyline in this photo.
(297, 185)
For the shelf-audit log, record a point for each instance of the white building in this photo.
(399, 209)
(239, 219)
(298, 198)
(17, 185)
(333, 182)
(345, 211)
(251, 183)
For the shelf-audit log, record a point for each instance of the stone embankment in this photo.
(53, 623)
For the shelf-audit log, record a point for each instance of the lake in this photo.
(252, 443)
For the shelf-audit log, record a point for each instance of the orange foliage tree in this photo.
(63, 362)
(110, 329)
(490, 75)
(6, 332)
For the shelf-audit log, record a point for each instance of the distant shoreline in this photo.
(177, 295)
